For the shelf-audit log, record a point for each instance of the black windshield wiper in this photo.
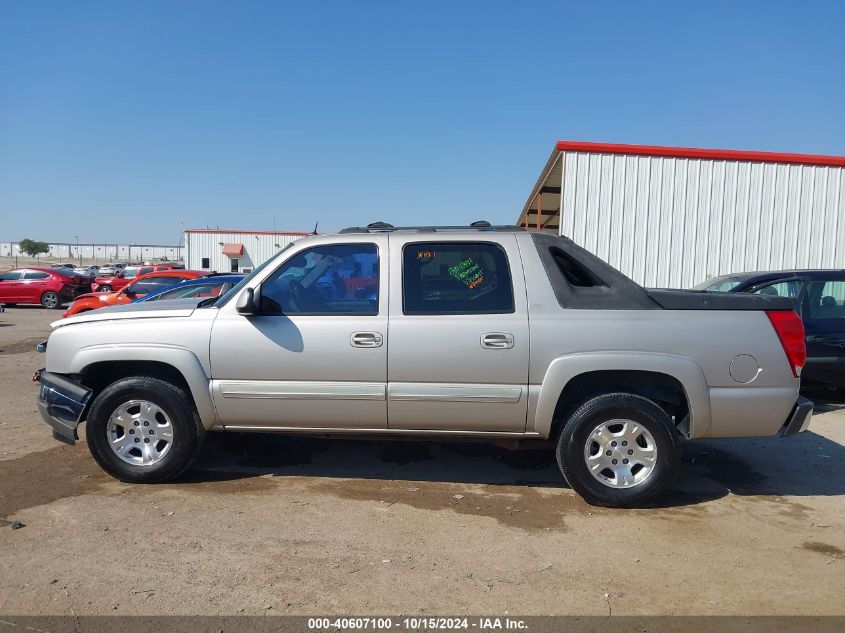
(207, 302)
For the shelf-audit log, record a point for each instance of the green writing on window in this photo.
(468, 272)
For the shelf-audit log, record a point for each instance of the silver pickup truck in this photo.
(475, 332)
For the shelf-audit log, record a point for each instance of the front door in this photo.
(10, 286)
(458, 355)
(316, 355)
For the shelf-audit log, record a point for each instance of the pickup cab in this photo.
(434, 332)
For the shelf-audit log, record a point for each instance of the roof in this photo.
(244, 232)
(542, 210)
(698, 152)
(384, 227)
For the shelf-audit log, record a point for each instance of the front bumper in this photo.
(799, 419)
(61, 403)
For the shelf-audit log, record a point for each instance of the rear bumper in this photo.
(61, 403)
(71, 292)
(799, 419)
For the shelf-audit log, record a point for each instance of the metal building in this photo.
(673, 217)
(233, 251)
(99, 252)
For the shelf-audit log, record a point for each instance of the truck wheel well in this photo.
(98, 376)
(664, 390)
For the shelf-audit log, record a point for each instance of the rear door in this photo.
(823, 313)
(458, 353)
(34, 284)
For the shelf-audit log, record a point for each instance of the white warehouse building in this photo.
(233, 251)
(674, 217)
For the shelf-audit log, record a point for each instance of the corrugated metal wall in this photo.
(258, 247)
(674, 222)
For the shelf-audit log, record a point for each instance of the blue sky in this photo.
(118, 119)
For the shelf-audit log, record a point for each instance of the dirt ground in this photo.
(271, 524)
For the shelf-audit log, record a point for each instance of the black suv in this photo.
(819, 299)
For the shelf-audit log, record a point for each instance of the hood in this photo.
(92, 295)
(145, 310)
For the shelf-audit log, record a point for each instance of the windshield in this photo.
(130, 273)
(222, 299)
(193, 291)
(65, 272)
(720, 284)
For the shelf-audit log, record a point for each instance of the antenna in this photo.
(314, 232)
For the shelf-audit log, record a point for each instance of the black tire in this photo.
(51, 300)
(188, 432)
(578, 430)
(104, 288)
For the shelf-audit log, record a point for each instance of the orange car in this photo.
(152, 282)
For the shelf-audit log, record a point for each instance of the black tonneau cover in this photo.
(701, 300)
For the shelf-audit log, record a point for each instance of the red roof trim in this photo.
(694, 152)
(241, 232)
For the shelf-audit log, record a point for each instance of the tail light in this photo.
(790, 331)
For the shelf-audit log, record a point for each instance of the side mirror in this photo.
(131, 293)
(247, 304)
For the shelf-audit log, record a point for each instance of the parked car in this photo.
(110, 270)
(203, 287)
(48, 286)
(137, 288)
(487, 332)
(819, 297)
(87, 271)
(127, 275)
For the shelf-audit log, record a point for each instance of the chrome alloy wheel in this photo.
(51, 300)
(620, 453)
(139, 432)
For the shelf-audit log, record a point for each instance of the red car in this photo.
(137, 288)
(127, 275)
(48, 286)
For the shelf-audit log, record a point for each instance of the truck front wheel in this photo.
(618, 450)
(144, 430)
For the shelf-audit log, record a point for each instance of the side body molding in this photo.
(184, 360)
(563, 369)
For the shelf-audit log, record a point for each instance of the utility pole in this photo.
(78, 253)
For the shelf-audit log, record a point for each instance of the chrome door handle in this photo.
(497, 340)
(366, 339)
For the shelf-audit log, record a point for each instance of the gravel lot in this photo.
(269, 524)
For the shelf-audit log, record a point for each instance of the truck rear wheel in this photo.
(618, 450)
(144, 430)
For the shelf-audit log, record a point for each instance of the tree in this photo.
(33, 248)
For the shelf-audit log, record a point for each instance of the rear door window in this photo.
(787, 288)
(456, 278)
(825, 300)
(36, 274)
